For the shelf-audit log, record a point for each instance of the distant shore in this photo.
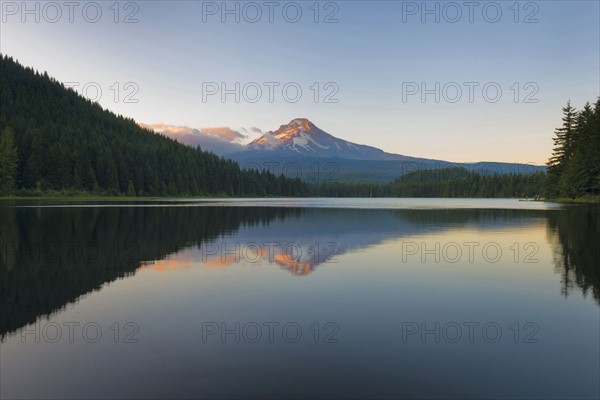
(100, 197)
(578, 200)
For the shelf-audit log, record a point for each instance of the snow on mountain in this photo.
(302, 137)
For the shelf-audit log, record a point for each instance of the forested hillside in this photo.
(444, 182)
(51, 138)
(574, 168)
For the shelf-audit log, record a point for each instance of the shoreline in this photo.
(578, 200)
(91, 197)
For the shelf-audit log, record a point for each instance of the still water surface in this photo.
(415, 298)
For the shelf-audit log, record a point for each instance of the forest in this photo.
(574, 167)
(53, 139)
(444, 182)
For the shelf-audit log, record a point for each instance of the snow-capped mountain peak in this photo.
(301, 136)
(295, 126)
(296, 134)
(287, 132)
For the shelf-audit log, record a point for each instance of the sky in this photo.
(459, 81)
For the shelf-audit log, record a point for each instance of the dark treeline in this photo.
(446, 182)
(52, 139)
(574, 168)
(458, 182)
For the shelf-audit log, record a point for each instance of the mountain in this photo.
(302, 137)
(301, 149)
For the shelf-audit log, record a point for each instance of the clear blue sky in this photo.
(373, 50)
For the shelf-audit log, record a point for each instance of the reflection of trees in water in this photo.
(481, 218)
(574, 230)
(576, 234)
(49, 257)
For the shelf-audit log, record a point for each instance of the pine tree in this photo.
(8, 160)
(76, 179)
(130, 189)
(113, 178)
(562, 143)
(576, 179)
(595, 145)
(91, 182)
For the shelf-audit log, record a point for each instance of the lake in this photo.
(295, 298)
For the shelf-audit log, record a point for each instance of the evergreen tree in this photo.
(595, 144)
(562, 144)
(576, 179)
(130, 189)
(112, 177)
(8, 161)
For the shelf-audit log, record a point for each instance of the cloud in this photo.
(256, 130)
(224, 133)
(219, 140)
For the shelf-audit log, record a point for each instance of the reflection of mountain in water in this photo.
(318, 235)
(50, 257)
